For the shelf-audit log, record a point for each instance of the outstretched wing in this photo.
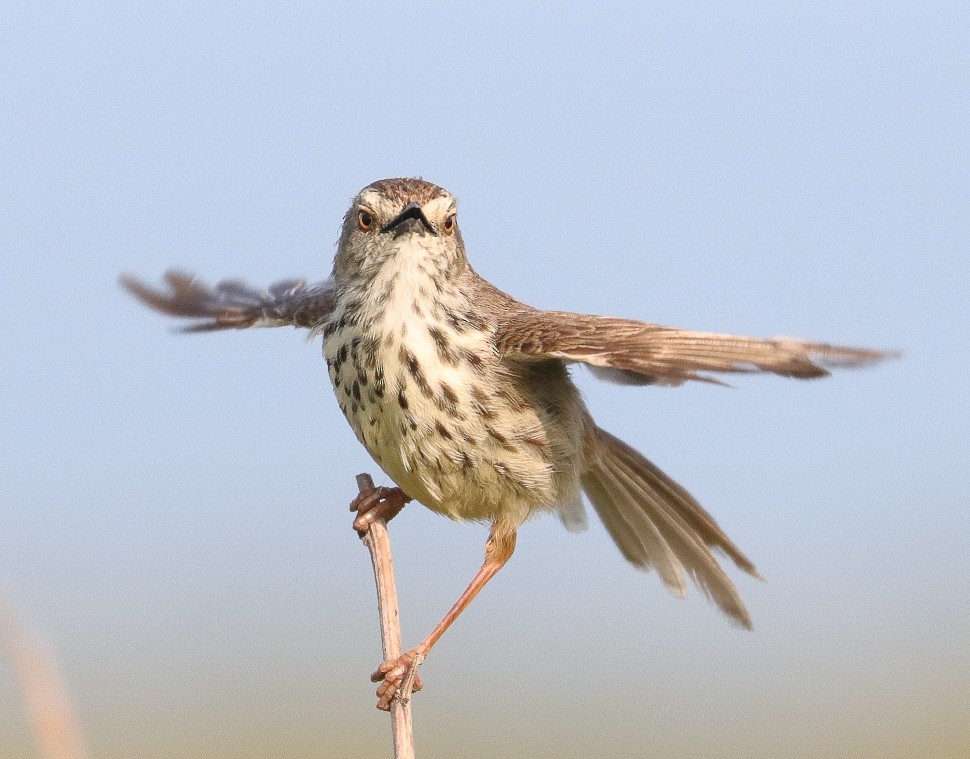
(624, 350)
(234, 305)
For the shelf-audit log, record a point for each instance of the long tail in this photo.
(656, 523)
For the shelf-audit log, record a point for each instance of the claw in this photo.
(378, 503)
(398, 679)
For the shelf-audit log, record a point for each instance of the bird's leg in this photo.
(394, 674)
(377, 503)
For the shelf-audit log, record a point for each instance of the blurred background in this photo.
(174, 508)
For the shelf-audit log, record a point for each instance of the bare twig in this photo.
(378, 542)
(55, 726)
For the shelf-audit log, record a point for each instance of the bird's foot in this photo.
(377, 503)
(398, 679)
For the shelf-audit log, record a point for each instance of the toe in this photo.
(365, 519)
(379, 503)
(392, 675)
(381, 672)
(367, 500)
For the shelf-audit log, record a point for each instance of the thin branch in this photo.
(378, 542)
(55, 726)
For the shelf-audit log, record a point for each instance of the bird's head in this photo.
(402, 223)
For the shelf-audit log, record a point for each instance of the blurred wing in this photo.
(234, 305)
(632, 352)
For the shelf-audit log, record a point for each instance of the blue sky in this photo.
(175, 507)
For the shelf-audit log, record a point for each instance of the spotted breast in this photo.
(424, 391)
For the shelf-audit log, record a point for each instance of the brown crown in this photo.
(405, 190)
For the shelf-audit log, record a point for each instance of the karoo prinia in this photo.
(463, 396)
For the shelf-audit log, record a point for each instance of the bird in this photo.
(463, 396)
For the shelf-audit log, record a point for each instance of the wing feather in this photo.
(232, 304)
(640, 353)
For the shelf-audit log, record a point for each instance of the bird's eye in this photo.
(449, 225)
(365, 221)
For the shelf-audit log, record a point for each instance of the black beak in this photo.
(412, 211)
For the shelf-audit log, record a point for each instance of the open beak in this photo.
(410, 219)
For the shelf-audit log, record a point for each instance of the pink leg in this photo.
(498, 550)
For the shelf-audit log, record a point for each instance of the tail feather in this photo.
(637, 535)
(657, 524)
(685, 507)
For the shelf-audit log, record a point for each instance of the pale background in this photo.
(174, 508)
